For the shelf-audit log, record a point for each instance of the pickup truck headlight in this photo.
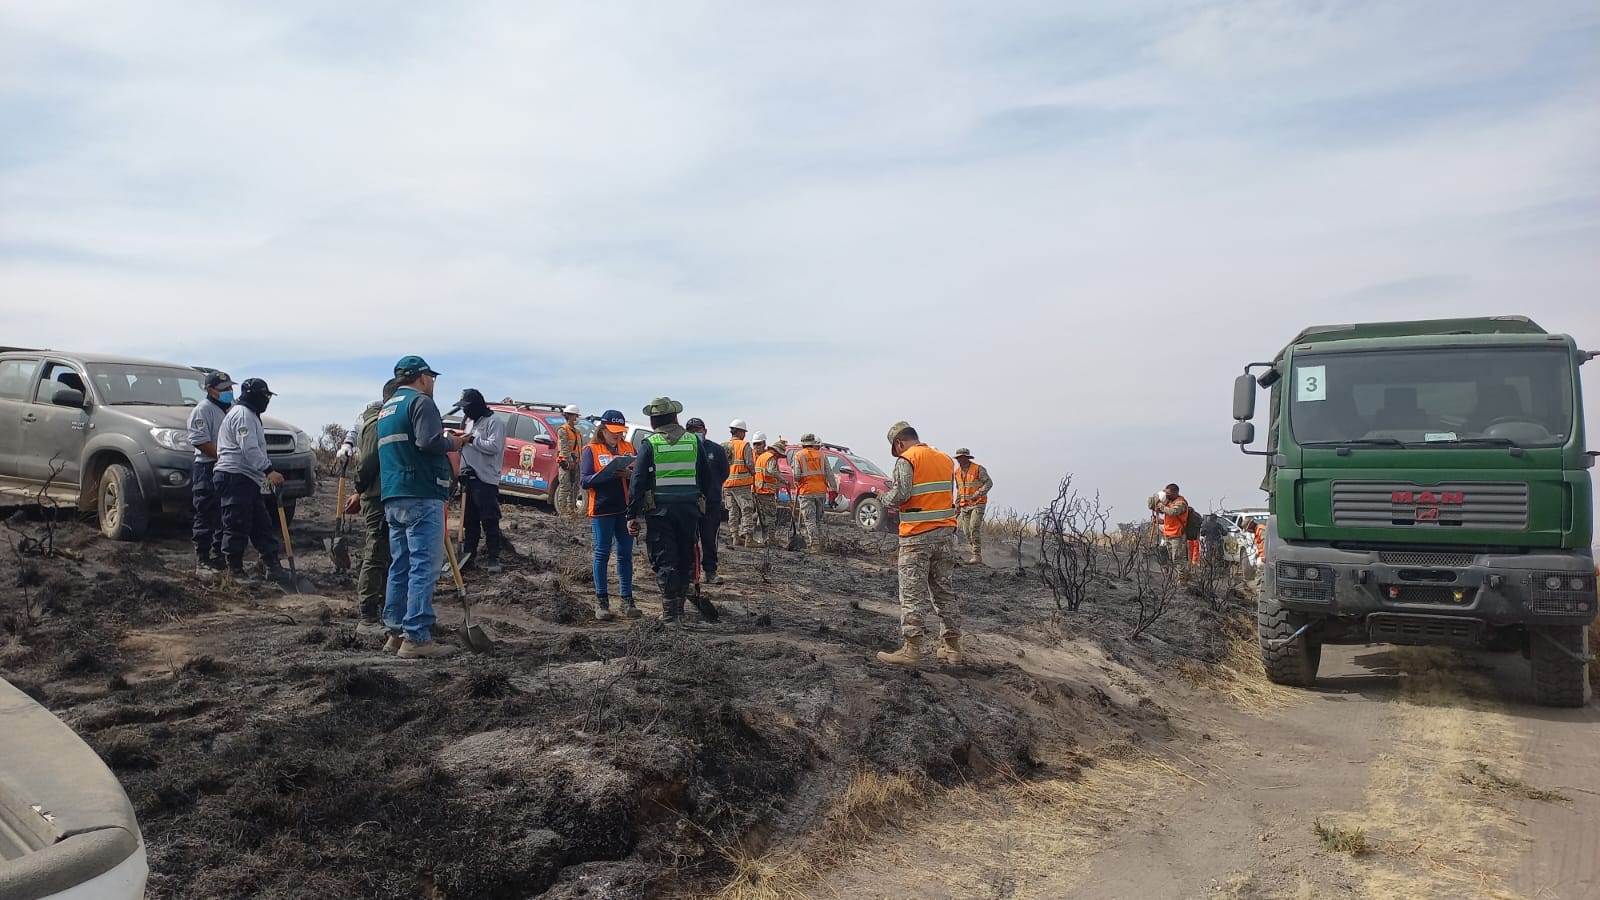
(172, 439)
(302, 442)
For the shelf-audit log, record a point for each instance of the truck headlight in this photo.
(1552, 583)
(1580, 583)
(302, 442)
(1313, 573)
(172, 439)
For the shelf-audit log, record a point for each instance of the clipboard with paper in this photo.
(616, 465)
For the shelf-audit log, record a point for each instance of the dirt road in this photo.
(1461, 787)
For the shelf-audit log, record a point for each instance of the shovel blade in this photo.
(339, 552)
(477, 640)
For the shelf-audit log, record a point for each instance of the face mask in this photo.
(225, 397)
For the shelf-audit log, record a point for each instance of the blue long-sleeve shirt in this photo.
(609, 489)
(717, 456)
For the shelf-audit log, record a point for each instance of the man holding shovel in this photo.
(414, 470)
(242, 477)
(374, 575)
(671, 477)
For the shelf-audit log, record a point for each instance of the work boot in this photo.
(909, 654)
(950, 648)
(410, 649)
(493, 567)
(711, 577)
(392, 645)
(602, 609)
(629, 611)
(370, 628)
(671, 609)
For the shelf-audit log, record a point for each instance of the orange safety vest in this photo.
(967, 484)
(739, 474)
(1172, 526)
(809, 474)
(1261, 541)
(767, 482)
(931, 504)
(574, 438)
(602, 458)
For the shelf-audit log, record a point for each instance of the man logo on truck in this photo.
(1426, 504)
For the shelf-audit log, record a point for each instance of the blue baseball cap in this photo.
(219, 380)
(614, 421)
(412, 366)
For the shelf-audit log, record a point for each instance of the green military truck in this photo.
(1429, 483)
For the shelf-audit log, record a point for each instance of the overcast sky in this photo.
(1049, 231)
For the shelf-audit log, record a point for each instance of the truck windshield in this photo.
(1469, 398)
(866, 466)
(141, 385)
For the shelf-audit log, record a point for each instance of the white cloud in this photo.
(1009, 224)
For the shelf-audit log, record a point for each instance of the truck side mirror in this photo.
(68, 397)
(1244, 433)
(1244, 398)
(544, 439)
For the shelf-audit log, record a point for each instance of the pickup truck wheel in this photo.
(1293, 663)
(1560, 663)
(123, 513)
(869, 514)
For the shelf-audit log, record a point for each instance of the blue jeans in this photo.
(416, 546)
(608, 530)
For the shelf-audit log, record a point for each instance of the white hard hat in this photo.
(572, 409)
(738, 425)
(759, 437)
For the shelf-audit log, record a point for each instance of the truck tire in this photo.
(1293, 663)
(1560, 662)
(869, 514)
(123, 513)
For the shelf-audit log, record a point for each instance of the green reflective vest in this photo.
(675, 468)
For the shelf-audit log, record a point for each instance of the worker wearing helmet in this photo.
(816, 485)
(767, 481)
(739, 490)
(923, 491)
(972, 497)
(569, 443)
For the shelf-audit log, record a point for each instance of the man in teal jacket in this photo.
(414, 468)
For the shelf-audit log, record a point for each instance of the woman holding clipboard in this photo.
(603, 470)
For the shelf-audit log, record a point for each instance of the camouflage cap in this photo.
(896, 428)
(663, 406)
(962, 451)
(809, 440)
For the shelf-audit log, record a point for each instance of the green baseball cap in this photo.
(412, 366)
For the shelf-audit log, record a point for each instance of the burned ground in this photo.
(270, 752)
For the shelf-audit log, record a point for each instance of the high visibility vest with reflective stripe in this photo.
(968, 484)
(602, 457)
(931, 504)
(768, 479)
(572, 438)
(809, 473)
(1172, 526)
(675, 468)
(739, 474)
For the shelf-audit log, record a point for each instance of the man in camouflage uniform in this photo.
(816, 486)
(923, 493)
(739, 491)
(569, 443)
(767, 481)
(972, 498)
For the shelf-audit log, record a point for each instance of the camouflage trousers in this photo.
(1177, 551)
(767, 517)
(811, 507)
(969, 521)
(927, 568)
(741, 504)
(566, 500)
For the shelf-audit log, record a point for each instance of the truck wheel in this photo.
(123, 514)
(1560, 663)
(869, 514)
(1293, 663)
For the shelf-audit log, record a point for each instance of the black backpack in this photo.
(1191, 525)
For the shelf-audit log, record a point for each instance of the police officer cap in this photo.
(694, 423)
(252, 387)
(219, 380)
(663, 406)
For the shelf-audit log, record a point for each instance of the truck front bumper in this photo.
(1534, 588)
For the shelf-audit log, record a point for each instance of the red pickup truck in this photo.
(861, 483)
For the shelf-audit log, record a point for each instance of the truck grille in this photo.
(1395, 628)
(1575, 597)
(1427, 560)
(1443, 596)
(1562, 606)
(1470, 506)
(280, 441)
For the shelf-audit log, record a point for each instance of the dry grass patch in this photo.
(1491, 783)
(1341, 840)
(1240, 675)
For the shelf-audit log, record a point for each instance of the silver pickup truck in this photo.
(109, 435)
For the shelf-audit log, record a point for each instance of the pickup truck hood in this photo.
(178, 417)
